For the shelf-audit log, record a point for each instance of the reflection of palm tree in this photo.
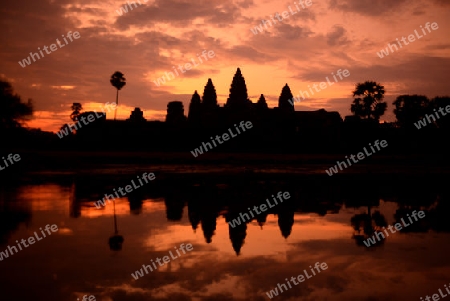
(366, 225)
(115, 241)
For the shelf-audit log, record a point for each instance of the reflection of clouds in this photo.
(65, 231)
(45, 197)
(406, 267)
(248, 278)
(122, 207)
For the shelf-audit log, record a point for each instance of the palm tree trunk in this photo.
(117, 102)
(115, 219)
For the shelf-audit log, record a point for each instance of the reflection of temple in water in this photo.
(237, 234)
(209, 198)
(207, 201)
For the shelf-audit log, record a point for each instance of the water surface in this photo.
(324, 221)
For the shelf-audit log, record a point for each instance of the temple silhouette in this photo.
(206, 118)
(420, 122)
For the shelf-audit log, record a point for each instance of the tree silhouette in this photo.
(410, 108)
(118, 81)
(366, 225)
(67, 129)
(76, 108)
(12, 110)
(285, 100)
(440, 103)
(209, 95)
(369, 103)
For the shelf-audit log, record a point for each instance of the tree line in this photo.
(368, 104)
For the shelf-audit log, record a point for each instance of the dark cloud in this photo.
(419, 13)
(291, 32)
(442, 2)
(181, 13)
(337, 36)
(367, 7)
(415, 72)
(245, 3)
(418, 75)
(438, 47)
(249, 53)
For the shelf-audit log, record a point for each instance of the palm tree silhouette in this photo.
(118, 81)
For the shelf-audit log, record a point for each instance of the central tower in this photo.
(238, 98)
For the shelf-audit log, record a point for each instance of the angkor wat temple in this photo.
(273, 128)
(205, 113)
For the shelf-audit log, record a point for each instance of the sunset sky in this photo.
(148, 40)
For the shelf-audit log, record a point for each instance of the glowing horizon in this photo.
(154, 37)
